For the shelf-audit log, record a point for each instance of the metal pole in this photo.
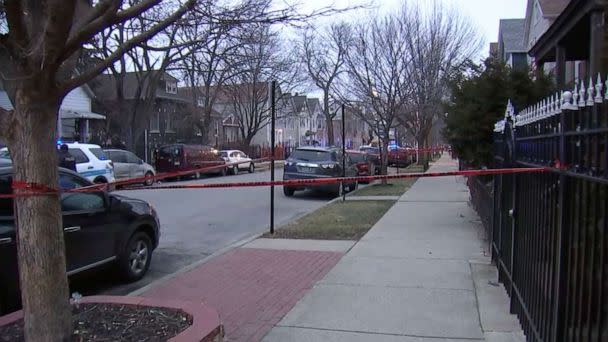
(272, 128)
(146, 145)
(343, 153)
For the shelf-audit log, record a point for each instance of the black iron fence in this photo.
(549, 230)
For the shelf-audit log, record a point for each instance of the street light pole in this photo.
(272, 149)
(343, 154)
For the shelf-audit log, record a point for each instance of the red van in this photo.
(182, 157)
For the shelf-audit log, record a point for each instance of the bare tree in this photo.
(324, 54)
(439, 42)
(39, 43)
(376, 84)
(249, 91)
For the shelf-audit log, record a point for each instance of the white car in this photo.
(239, 160)
(128, 165)
(92, 163)
(4, 153)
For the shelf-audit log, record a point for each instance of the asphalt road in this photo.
(198, 222)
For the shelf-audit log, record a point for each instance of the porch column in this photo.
(560, 67)
(596, 44)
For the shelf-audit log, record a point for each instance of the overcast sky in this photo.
(485, 14)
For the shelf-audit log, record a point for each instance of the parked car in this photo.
(182, 157)
(92, 163)
(399, 156)
(316, 163)
(99, 228)
(240, 160)
(4, 153)
(363, 162)
(128, 165)
(374, 154)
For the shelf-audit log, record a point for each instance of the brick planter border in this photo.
(206, 325)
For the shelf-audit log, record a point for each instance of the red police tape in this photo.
(28, 189)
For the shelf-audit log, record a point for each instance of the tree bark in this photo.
(40, 240)
(384, 158)
(330, 130)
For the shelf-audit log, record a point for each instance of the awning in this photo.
(73, 114)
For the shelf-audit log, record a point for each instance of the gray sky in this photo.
(484, 14)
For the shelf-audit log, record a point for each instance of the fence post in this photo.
(557, 321)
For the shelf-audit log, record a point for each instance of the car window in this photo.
(117, 157)
(78, 155)
(132, 158)
(6, 204)
(234, 155)
(98, 152)
(357, 157)
(311, 155)
(5, 154)
(78, 201)
(223, 154)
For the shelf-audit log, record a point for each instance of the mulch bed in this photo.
(116, 322)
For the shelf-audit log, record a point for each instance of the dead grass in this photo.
(348, 220)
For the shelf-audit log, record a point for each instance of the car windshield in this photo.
(357, 157)
(5, 154)
(369, 149)
(311, 155)
(98, 152)
(224, 154)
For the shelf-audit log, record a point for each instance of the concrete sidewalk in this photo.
(422, 273)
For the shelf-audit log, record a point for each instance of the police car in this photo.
(92, 163)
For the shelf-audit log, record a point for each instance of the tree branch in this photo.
(104, 19)
(128, 45)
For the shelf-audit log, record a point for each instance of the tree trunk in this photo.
(422, 155)
(384, 158)
(330, 131)
(40, 240)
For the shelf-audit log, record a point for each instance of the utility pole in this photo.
(272, 149)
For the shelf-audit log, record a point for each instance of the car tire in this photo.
(135, 259)
(251, 168)
(288, 191)
(149, 179)
(100, 180)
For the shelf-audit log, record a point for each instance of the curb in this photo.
(194, 265)
(218, 253)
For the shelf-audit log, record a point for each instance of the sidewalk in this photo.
(422, 273)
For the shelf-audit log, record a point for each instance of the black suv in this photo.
(100, 228)
(318, 162)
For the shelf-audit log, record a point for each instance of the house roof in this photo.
(552, 8)
(104, 86)
(511, 34)
(313, 103)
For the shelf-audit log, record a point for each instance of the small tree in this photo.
(478, 99)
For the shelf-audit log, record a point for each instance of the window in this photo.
(171, 87)
(6, 204)
(5, 154)
(234, 155)
(78, 155)
(78, 201)
(311, 155)
(168, 123)
(98, 152)
(118, 156)
(155, 123)
(132, 158)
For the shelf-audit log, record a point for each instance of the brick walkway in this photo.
(252, 289)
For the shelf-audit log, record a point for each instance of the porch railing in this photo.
(550, 230)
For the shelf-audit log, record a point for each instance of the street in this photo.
(198, 222)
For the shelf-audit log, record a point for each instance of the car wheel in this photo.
(149, 178)
(235, 170)
(135, 259)
(100, 180)
(251, 168)
(223, 172)
(288, 191)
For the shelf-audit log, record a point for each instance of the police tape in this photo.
(336, 180)
(29, 189)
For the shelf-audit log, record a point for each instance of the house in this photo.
(511, 45)
(149, 112)
(575, 37)
(76, 118)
